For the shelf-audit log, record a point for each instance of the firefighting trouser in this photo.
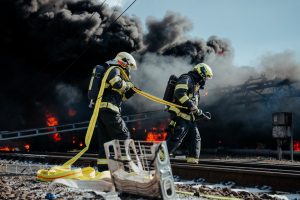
(110, 126)
(185, 129)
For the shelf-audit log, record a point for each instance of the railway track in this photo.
(242, 172)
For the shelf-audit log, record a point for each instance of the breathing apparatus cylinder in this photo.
(169, 92)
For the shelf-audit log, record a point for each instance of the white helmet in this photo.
(126, 60)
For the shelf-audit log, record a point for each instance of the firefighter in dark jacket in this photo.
(183, 120)
(110, 123)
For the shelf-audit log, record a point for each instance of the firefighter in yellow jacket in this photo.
(110, 123)
(183, 120)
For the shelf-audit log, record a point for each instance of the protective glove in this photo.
(193, 109)
(198, 112)
(129, 93)
(129, 84)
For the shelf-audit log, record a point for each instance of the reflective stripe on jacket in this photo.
(116, 91)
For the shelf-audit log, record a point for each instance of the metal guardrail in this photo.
(21, 168)
(74, 126)
(44, 131)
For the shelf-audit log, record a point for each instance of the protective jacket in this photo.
(186, 94)
(116, 90)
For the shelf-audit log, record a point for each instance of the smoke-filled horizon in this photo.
(41, 41)
(50, 47)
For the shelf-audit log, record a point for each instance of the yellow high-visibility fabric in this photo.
(92, 79)
(184, 99)
(110, 106)
(150, 96)
(89, 173)
(65, 171)
(114, 80)
(102, 161)
(181, 86)
(181, 114)
(172, 123)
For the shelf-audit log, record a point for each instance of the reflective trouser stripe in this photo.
(102, 161)
(180, 114)
(110, 106)
(192, 160)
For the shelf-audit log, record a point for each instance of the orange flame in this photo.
(56, 137)
(296, 145)
(5, 148)
(27, 147)
(156, 135)
(53, 121)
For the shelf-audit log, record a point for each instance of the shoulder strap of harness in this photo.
(193, 82)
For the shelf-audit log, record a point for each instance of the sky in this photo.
(254, 27)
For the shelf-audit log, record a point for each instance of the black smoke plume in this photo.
(40, 42)
(48, 49)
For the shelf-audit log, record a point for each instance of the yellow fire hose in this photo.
(89, 173)
(150, 96)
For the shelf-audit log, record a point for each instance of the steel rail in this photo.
(278, 179)
(278, 176)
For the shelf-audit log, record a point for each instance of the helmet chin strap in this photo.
(127, 71)
(122, 64)
(202, 83)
